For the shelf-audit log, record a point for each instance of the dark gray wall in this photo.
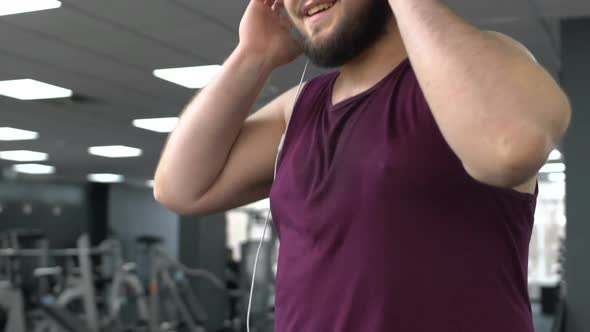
(576, 81)
(134, 212)
(62, 228)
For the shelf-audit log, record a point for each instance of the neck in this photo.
(372, 65)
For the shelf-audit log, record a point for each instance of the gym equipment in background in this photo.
(173, 305)
(113, 290)
(70, 305)
(21, 298)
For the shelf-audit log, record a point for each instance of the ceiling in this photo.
(106, 51)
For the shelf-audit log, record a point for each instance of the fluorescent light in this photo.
(150, 183)
(105, 178)
(114, 151)
(556, 177)
(260, 205)
(9, 7)
(555, 155)
(29, 89)
(33, 169)
(23, 155)
(553, 168)
(160, 125)
(189, 77)
(13, 134)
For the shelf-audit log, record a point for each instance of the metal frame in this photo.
(190, 310)
(77, 287)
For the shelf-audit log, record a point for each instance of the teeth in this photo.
(319, 8)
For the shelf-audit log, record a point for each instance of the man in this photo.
(406, 188)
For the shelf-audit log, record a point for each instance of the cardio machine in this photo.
(170, 289)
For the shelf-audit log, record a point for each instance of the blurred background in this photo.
(90, 89)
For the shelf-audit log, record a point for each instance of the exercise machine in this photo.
(120, 284)
(72, 304)
(26, 310)
(170, 290)
(125, 285)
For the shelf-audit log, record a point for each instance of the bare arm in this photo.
(216, 158)
(199, 147)
(500, 111)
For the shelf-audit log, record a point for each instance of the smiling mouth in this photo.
(319, 8)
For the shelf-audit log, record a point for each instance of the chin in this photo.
(321, 38)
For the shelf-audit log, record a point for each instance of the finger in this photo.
(278, 9)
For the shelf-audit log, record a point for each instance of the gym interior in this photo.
(86, 247)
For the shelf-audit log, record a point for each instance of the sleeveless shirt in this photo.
(382, 230)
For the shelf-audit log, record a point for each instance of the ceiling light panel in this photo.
(10, 7)
(23, 155)
(555, 155)
(14, 134)
(33, 169)
(28, 89)
(553, 168)
(189, 77)
(556, 177)
(115, 151)
(159, 125)
(105, 178)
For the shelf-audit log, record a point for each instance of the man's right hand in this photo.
(265, 33)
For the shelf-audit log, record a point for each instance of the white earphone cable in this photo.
(268, 215)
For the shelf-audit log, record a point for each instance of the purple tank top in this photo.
(381, 228)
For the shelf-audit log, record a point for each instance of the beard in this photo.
(351, 38)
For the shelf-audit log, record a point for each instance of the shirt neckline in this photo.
(351, 99)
